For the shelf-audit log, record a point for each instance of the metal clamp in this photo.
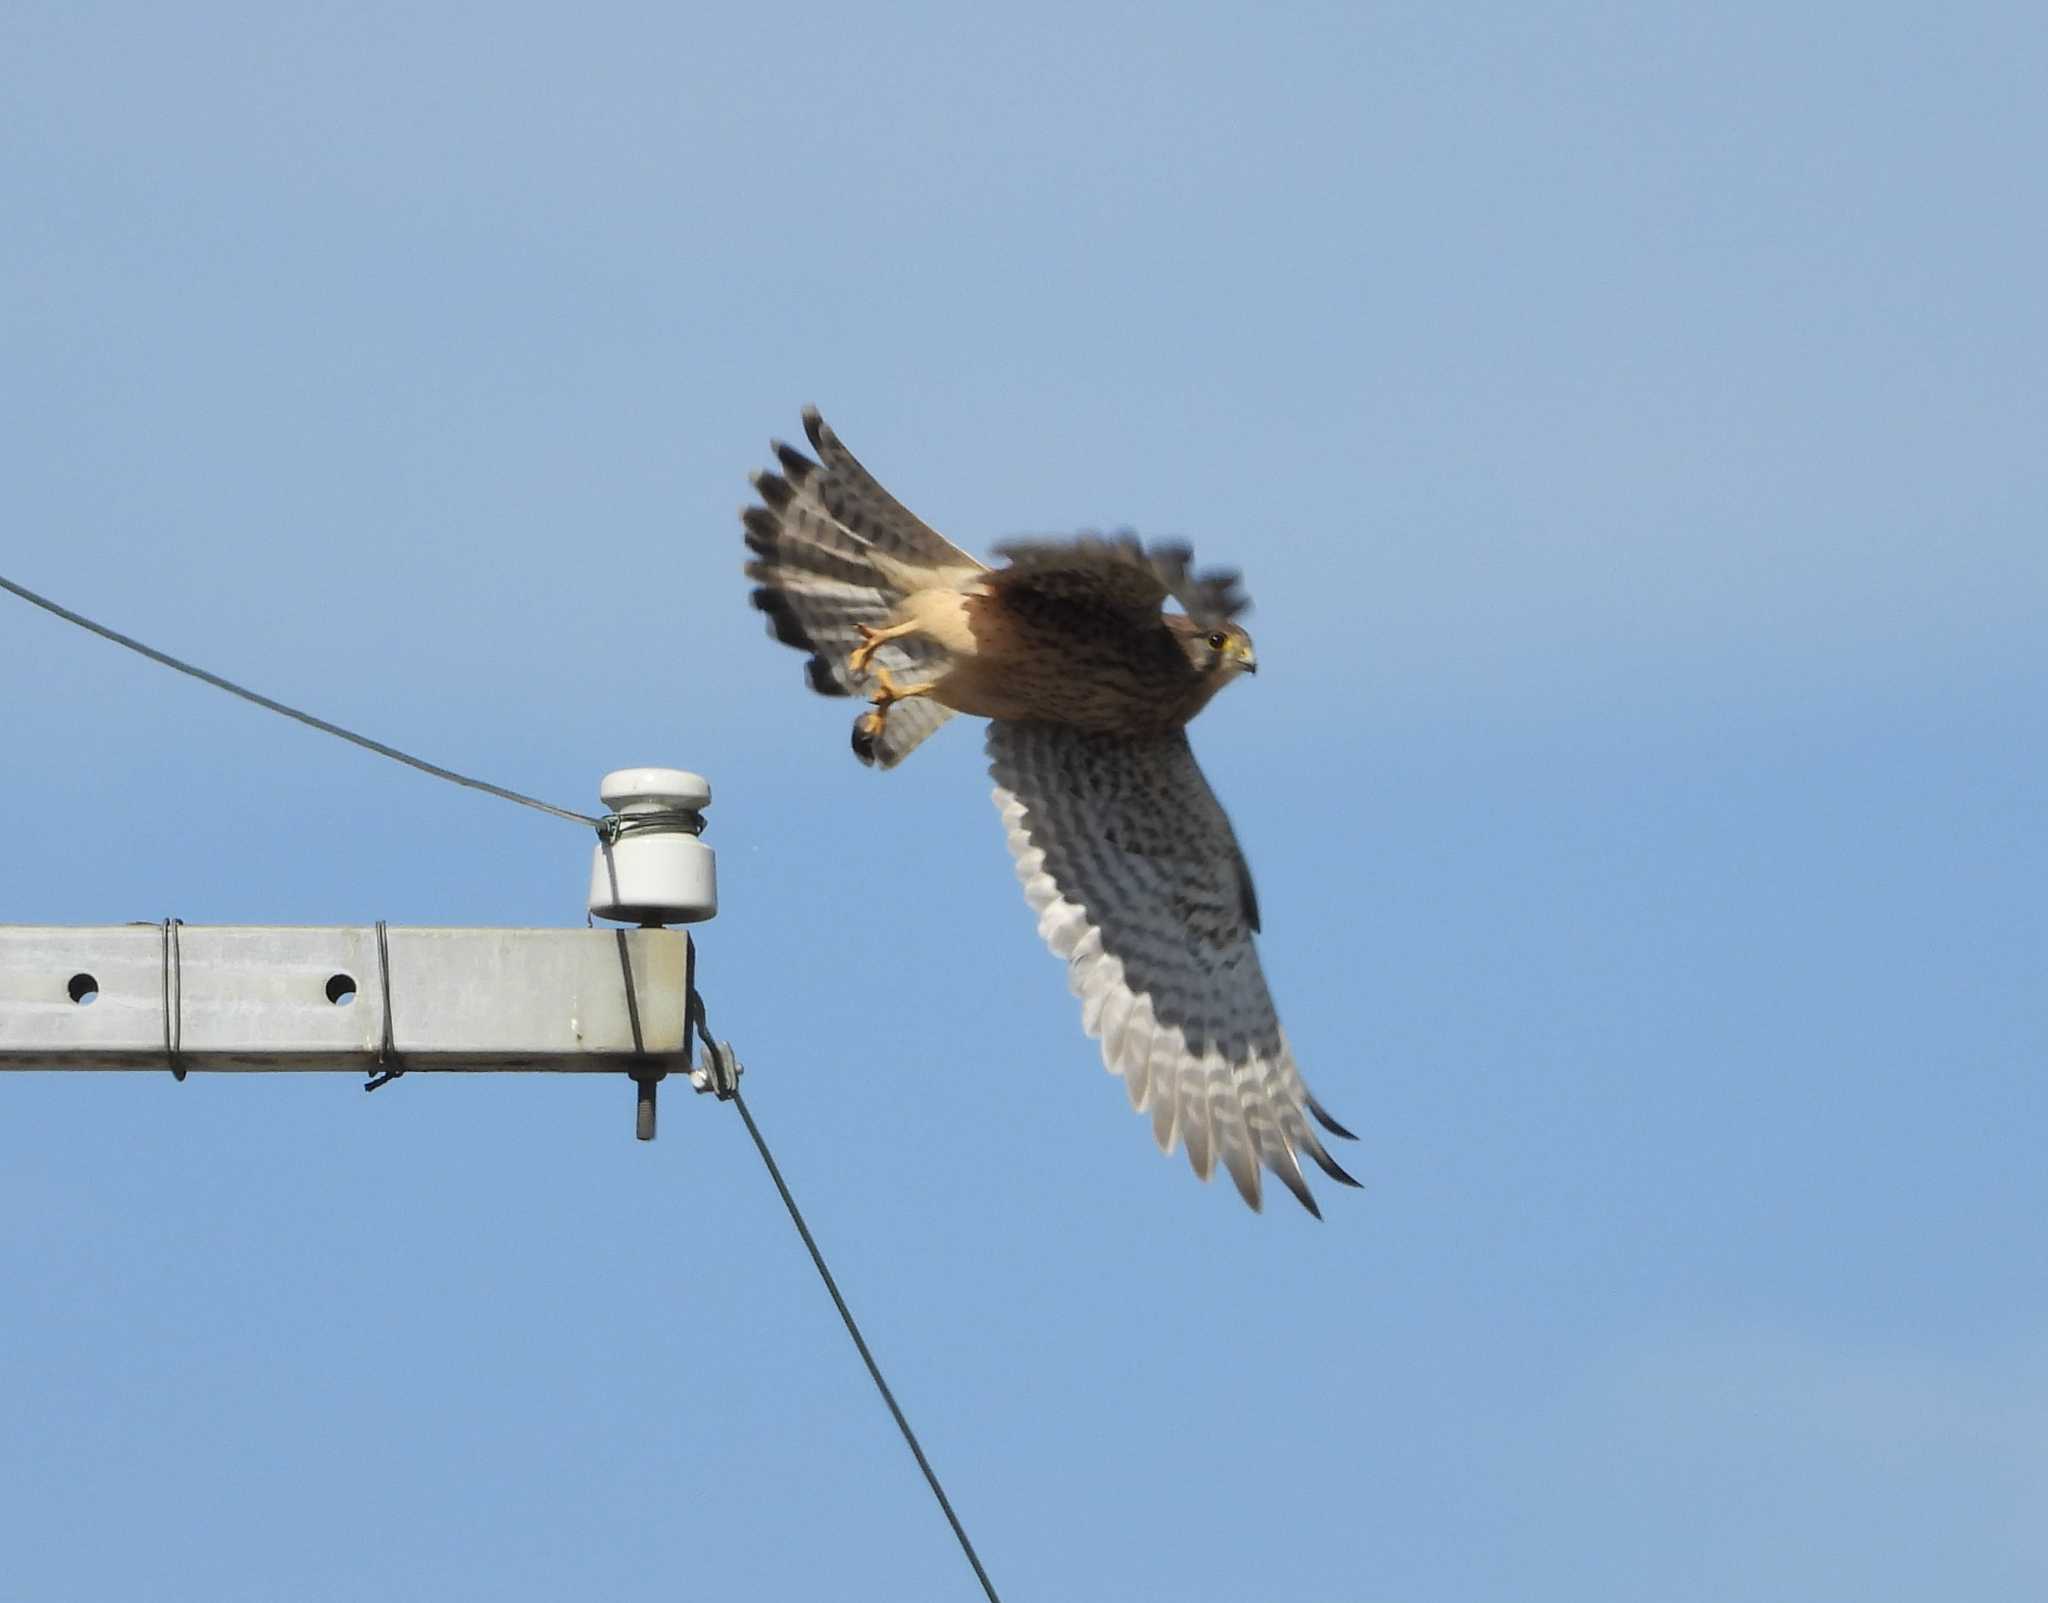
(174, 998)
(388, 1066)
(718, 1071)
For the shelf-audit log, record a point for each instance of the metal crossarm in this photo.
(264, 998)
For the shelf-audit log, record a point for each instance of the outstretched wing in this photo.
(1130, 863)
(1117, 573)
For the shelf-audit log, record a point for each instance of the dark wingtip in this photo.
(815, 428)
(1296, 1184)
(1335, 1170)
(782, 619)
(798, 466)
(771, 487)
(764, 528)
(819, 676)
(1323, 1118)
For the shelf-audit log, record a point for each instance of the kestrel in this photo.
(1124, 852)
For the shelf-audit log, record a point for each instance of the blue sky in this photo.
(1629, 421)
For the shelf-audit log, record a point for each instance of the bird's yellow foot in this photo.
(888, 692)
(872, 641)
(868, 728)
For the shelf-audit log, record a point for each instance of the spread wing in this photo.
(1115, 572)
(1131, 865)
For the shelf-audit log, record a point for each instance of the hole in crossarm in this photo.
(341, 990)
(83, 989)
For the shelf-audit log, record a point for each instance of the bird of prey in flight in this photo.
(1088, 685)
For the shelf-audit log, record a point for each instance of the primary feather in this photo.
(1134, 871)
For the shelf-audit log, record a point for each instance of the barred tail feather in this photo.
(833, 554)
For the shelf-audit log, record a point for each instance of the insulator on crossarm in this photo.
(650, 866)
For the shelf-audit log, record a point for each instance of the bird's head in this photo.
(1218, 651)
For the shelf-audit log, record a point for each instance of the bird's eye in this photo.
(1217, 640)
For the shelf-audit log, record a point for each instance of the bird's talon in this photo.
(861, 659)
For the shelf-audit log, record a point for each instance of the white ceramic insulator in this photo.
(654, 875)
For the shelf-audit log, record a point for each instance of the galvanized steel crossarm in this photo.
(265, 998)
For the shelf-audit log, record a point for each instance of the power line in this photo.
(860, 1343)
(294, 713)
(728, 1091)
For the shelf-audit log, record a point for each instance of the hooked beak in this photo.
(1247, 659)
